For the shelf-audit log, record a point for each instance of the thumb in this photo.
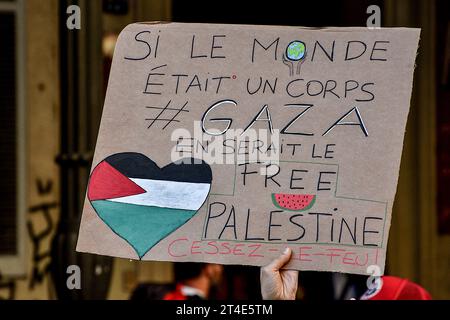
(279, 262)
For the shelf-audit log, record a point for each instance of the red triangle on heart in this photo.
(108, 183)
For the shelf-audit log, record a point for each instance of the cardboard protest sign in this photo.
(227, 143)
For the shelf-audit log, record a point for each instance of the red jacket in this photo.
(178, 294)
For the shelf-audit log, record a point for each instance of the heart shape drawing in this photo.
(143, 203)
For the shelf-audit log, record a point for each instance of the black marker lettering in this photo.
(286, 128)
(318, 215)
(378, 49)
(275, 42)
(147, 45)
(246, 229)
(227, 120)
(210, 216)
(269, 236)
(330, 55)
(256, 118)
(192, 50)
(233, 225)
(214, 46)
(369, 231)
(245, 173)
(291, 219)
(352, 234)
(372, 97)
(356, 56)
(296, 179)
(266, 178)
(320, 182)
(340, 122)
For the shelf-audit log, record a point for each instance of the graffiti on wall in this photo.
(43, 209)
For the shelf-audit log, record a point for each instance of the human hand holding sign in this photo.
(278, 284)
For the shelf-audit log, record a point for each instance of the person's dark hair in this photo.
(187, 270)
(151, 291)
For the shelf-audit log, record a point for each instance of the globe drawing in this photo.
(295, 51)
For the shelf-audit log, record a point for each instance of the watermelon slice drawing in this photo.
(293, 202)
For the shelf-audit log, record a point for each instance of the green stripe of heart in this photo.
(141, 226)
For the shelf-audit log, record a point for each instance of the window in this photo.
(12, 139)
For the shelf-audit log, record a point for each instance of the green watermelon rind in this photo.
(274, 201)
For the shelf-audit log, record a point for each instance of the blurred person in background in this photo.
(194, 281)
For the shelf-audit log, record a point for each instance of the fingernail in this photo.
(286, 251)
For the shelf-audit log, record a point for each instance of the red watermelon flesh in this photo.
(293, 202)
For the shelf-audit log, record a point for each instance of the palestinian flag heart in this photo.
(143, 203)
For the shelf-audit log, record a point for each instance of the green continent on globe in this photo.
(296, 50)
